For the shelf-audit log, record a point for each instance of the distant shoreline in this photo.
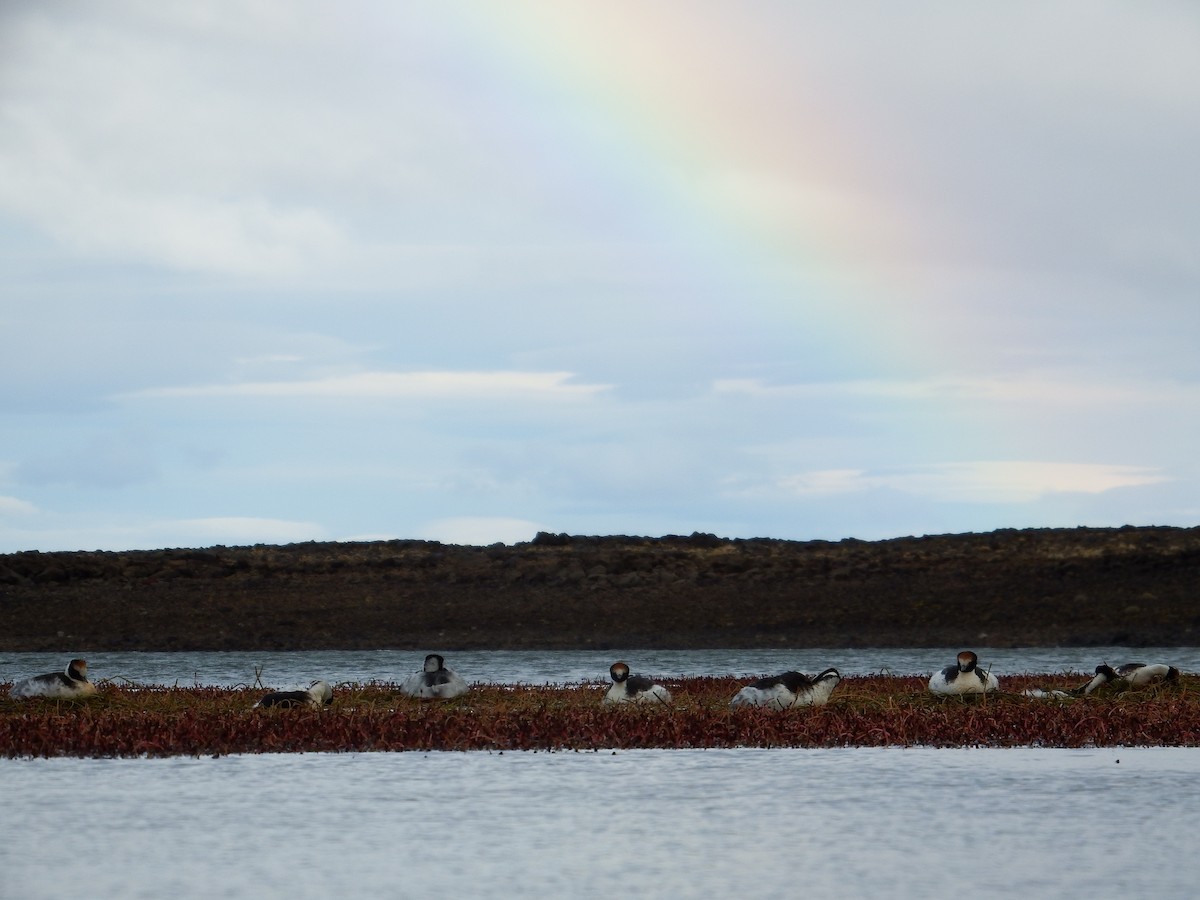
(1131, 586)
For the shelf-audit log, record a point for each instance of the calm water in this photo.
(645, 824)
(289, 669)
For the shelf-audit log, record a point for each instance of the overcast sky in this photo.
(288, 271)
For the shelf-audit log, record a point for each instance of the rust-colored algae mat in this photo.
(867, 711)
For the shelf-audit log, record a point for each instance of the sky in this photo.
(466, 271)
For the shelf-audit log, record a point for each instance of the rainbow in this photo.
(749, 186)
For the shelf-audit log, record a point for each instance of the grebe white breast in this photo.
(964, 678)
(1130, 675)
(789, 689)
(434, 681)
(1044, 693)
(72, 682)
(1141, 674)
(318, 694)
(628, 688)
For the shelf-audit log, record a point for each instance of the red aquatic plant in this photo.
(865, 711)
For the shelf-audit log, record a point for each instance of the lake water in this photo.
(291, 669)
(891, 823)
(751, 823)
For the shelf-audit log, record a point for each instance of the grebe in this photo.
(964, 678)
(634, 688)
(1130, 675)
(319, 694)
(789, 689)
(435, 681)
(72, 682)
(1044, 693)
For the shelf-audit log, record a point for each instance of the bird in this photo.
(1044, 693)
(789, 689)
(628, 688)
(318, 694)
(1129, 675)
(964, 677)
(71, 682)
(434, 681)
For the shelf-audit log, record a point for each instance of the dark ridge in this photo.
(1134, 586)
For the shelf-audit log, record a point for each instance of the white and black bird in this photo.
(789, 689)
(964, 678)
(628, 688)
(71, 682)
(434, 681)
(1130, 675)
(318, 694)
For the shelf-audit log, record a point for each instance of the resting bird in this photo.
(628, 688)
(72, 682)
(319, 694)
(1044, 693)
(1130, 675)
(964, 678)
(435, 681)
(789, 689)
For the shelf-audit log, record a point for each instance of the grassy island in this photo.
(128, 720)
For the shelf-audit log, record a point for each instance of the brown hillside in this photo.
(1084, 586)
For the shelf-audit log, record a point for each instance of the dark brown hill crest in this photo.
(1036, 587)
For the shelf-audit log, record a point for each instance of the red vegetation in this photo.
(871, 711)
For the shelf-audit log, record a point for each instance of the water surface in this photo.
(291, 669)
(647, 824)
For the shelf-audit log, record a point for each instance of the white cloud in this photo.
(241, 530)
(130, 146)
(100, 530)
(12, 506)
(826, 481)
(242, 237)
(1025, 388)
(479, 530)
(430, 384)
(403, 268)
(977, 482)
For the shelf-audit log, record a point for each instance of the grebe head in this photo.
(77, 670)
(829, 674)
(619, 671)
(434, 663)
(1106, 670)
(967, 661)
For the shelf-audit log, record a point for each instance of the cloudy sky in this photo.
(287, 271)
